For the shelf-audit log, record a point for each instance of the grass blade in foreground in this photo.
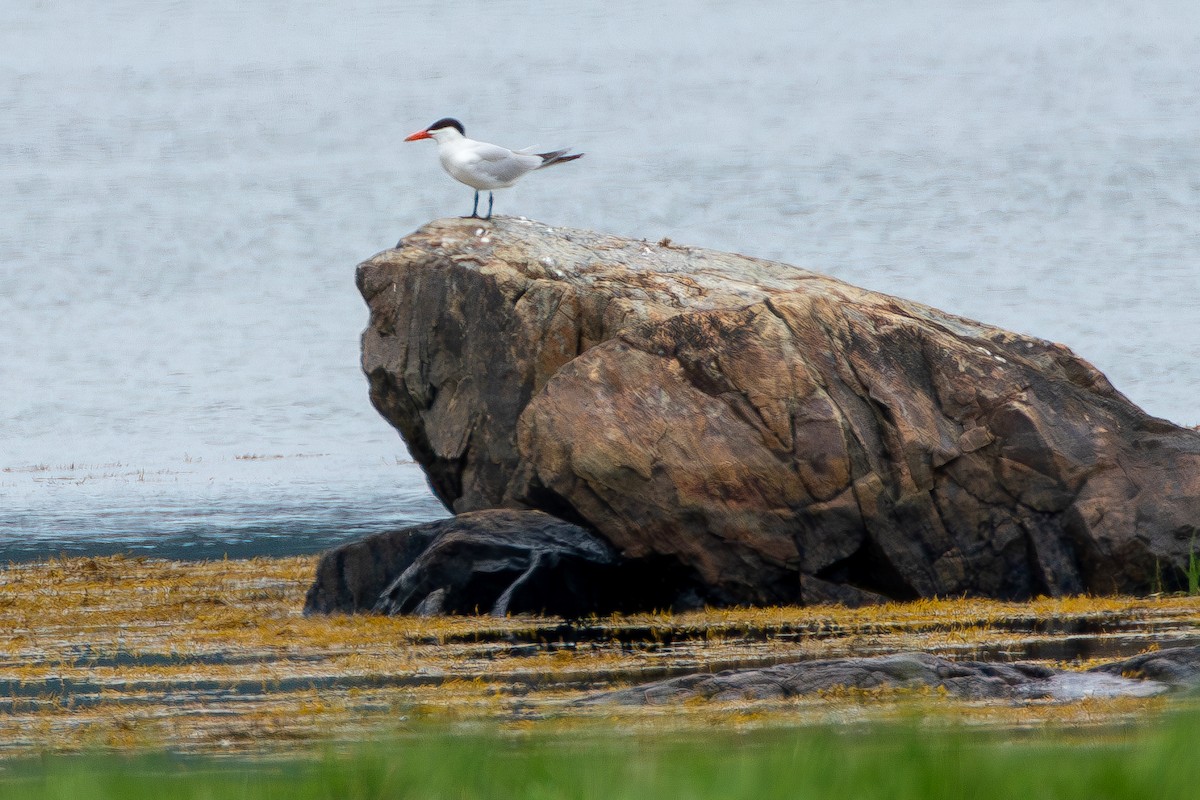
(852, 762)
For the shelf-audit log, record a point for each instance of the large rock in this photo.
(785, 436)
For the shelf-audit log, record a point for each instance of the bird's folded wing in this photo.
(503, 164)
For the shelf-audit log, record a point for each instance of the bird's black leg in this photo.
(491, 199)
(474, 208)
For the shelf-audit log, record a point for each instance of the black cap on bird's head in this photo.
(444, 122)
(447, 122)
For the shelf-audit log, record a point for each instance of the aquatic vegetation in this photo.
(125, 652)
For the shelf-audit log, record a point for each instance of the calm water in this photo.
(186, 187)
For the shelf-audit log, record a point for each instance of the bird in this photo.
(483, 166)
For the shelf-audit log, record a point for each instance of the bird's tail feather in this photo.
(557, 157)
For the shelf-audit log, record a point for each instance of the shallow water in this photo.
(186, 188)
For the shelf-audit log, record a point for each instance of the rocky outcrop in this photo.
(974, 680)
(498, 562)
(781, 435)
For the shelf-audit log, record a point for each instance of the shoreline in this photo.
(133, 653)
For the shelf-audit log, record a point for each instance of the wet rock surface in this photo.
(499, 562)
(1141, 676)
(781, 435)
(1178, 666)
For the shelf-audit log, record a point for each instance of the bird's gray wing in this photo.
(503, 164)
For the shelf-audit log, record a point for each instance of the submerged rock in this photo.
(781, 435)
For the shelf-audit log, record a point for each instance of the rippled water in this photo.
(186, 187)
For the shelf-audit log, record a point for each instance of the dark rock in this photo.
(1178, 666)
(499, 562)
(975, 680)
(351, 578)
(815, 592)
(1140, 676)
(783, 435)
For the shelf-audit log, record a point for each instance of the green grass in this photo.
(852, 762)
(1193, 570)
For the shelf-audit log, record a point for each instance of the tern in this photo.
(483, 166)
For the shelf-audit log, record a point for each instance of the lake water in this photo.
(186, 187)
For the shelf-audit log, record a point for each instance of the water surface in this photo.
(186, 187)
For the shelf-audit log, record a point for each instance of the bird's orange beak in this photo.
(418, 135)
